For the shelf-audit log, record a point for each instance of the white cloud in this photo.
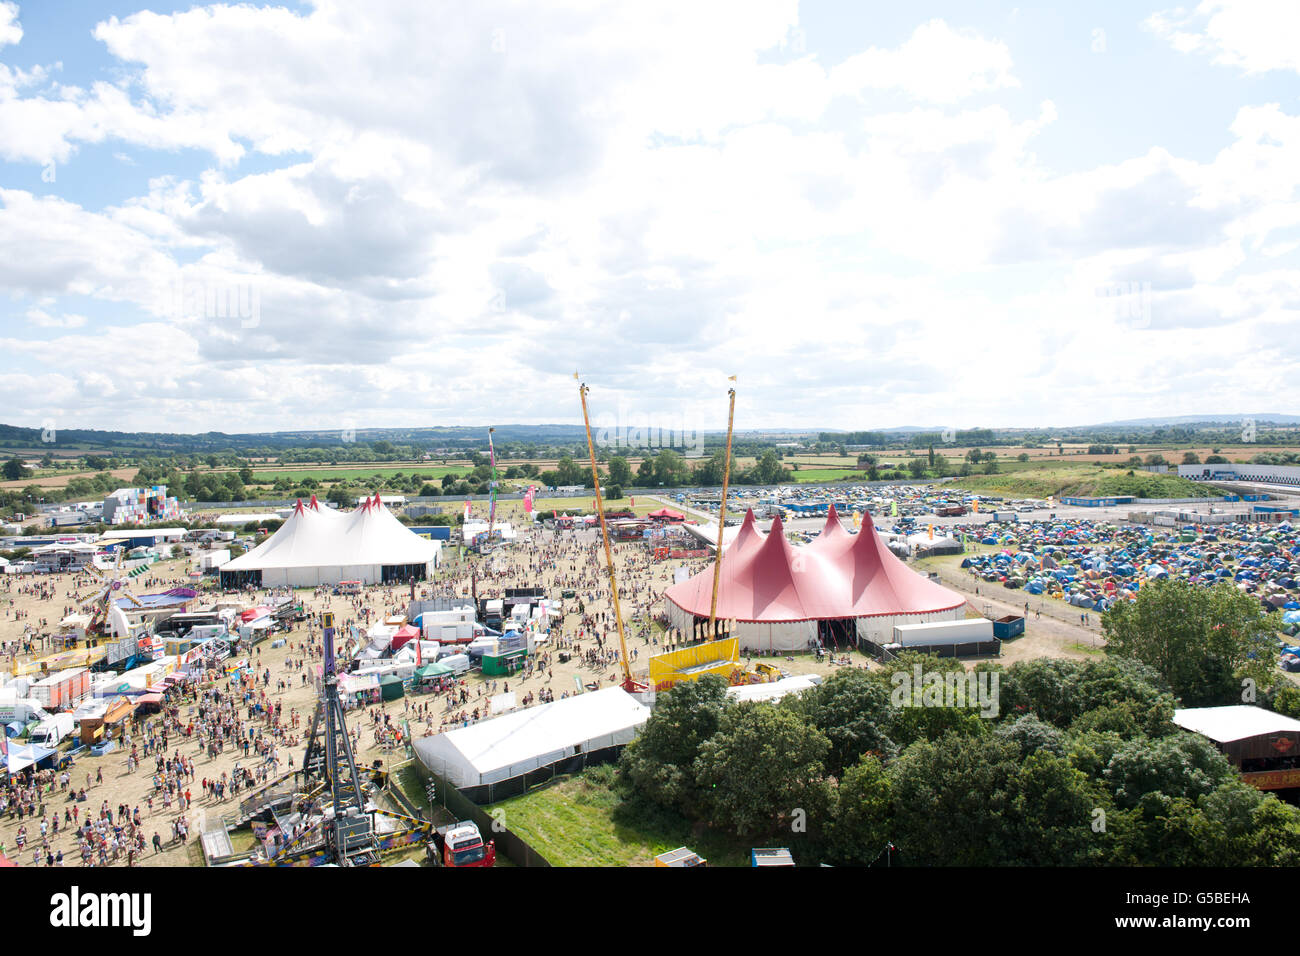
(44, 320)
(644, 192)
(937, 64)
(11, 31)
(1252, 36)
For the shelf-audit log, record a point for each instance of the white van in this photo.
(52, 730)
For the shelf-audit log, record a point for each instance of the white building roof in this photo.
(1234, 722)
(126, 534)
(513, 744)
(776, 689)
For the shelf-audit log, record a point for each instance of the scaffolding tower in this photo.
(349, 829)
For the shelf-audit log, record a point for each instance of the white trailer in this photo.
(211, 560)
(943, 632)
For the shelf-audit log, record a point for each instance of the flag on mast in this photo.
(492, 485)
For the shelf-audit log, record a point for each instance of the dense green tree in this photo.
(1032, 735)
(1287, 701)
(1160, 831)
(763, 768)
(852, 708)
(1128, 718)
(620, 472)
(14, 469)
(863, 817)
(1179, 765)
(1059, 690)
(952, 799)
(659, 765)
(568, 472)
(1204, 642)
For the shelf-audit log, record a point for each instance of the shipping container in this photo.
(63, 690)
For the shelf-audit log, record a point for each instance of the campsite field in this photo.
(581, 821)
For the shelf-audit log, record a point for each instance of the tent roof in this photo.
(844, 577)
(517, 737)
(1234, 722)
(315, 536)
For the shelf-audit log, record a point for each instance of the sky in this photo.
(332, 215)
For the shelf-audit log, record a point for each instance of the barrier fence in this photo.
(514, 847)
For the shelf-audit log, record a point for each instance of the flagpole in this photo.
(722, 515)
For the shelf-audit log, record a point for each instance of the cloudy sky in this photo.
(337, 214)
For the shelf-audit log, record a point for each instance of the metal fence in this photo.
(513, 846)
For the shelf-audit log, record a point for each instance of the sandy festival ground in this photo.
(538, 558)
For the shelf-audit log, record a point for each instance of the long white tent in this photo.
(526, 740)
(318, 545)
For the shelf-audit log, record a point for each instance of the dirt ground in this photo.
(553, 561)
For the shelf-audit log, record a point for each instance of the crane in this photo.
(630, 684)
(722, 516)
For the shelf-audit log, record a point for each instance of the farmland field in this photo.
(826, 474)
(1085, 480)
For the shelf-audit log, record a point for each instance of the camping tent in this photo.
(782, 597)
(318, 546)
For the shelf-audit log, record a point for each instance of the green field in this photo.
(580, 821)
(1084, 480)
(431, 472)
(826, 474)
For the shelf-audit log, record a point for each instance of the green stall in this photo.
(390, 687)
(503, 665)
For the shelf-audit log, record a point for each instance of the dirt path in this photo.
(1049, 630)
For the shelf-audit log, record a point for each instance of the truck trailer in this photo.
(973, 636)
(62, 690)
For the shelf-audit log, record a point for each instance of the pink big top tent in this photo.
(777, 593)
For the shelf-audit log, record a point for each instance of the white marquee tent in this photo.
(318, 545)
(526, 740)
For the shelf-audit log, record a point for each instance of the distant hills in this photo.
(468, 437)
